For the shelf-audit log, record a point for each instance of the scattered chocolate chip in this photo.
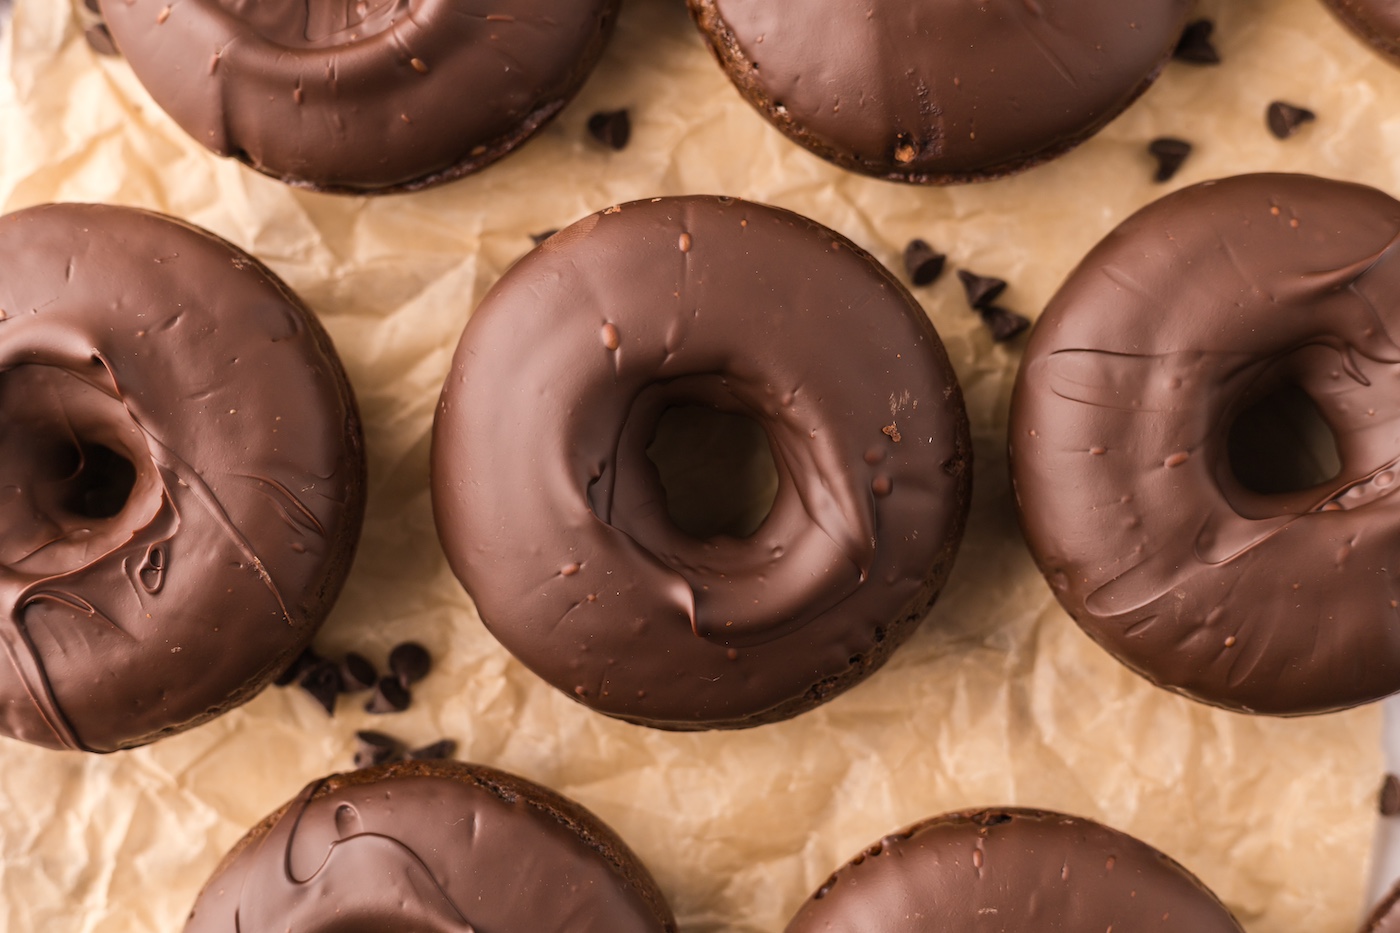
(93, 6)
(981, 290)
(1195, 46)
(357, 673)
(376, 748)
(100, 39)
(1390, 796)
(410, 662)
(390, 696)
(1286, 119)
(305, 660)
(541, 237)
(923, 264)
(1005, 325)
(612, 128)
(322, 681)
(439, 750)
(1170, 154)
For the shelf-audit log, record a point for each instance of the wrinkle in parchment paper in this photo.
(998, 700)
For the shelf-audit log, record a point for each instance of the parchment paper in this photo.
(998, 700)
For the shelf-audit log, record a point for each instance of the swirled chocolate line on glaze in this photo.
(182, 357)
(435, 847)
(362, 95)
(1198, 307)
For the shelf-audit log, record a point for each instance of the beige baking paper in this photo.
(998, 700)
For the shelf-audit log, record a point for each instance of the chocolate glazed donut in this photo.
(994, 871)
(939, 92)
(1199, 307)
(362, 95)
(556, 521)
(430, 847)
(181, 476)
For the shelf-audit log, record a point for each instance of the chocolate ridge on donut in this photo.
(556, 522)
(928, 92)
(354, 97)
(1199, 306)
(1006, 869)
(131, 338)
(437, 846)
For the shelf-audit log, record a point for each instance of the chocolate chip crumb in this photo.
(99, 39)
(410, 662)
(441, 749)
(303, 662)
(892, 432)
(357, 673)
(1286, 119)
(1390, 796)
(981, 290)
(376, 748)
(612, 128)
(541, 237)
(1195, 46)
(390, 696)
(1005, 325)
(1170, 154)
(923, 263)
(322, 681)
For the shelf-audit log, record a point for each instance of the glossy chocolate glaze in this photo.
(932, 91)
(437, 847)
(1194, 309)
(131, 338)
(361, 95)
(1376, 21)
(997, 871)
(555, 520)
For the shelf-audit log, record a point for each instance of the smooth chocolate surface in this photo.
(1376, 21)
(1202, 305)
(181, 476)
(998, 871)
(555, 520)
(430, 847)
(361, 95)
(935, 92)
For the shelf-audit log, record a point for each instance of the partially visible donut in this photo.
(181, 476)
(362, 95)
(1001, 870)
(1376, 21)
(939, 92)
(431, 847)
(1197, 308)
(556, 521)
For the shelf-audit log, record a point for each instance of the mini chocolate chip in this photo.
(1005, 325)
(357, 673)
(99, 39)
(376, 748)
(541, 237)
(1195, 46)
(322, 681)
(612, 128)
(93, 6)
(1390, 796)
(442, 749)
(1286, 119)
(410, 662)
(390, 696)
(1170, 154)
(305, 660)
(981, 290)
(923, 263)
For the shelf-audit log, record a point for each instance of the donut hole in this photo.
(99, 480)
(317, 24)
(1282, 444)
(717, 471)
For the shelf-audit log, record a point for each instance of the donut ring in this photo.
(432, 847)
(181, 476)
(1011, 869)
(933, 92)
(1376, 21)
(1196, 308)
(356, 97)
(555, 520)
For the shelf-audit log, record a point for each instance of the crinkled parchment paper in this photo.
(999, 699)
